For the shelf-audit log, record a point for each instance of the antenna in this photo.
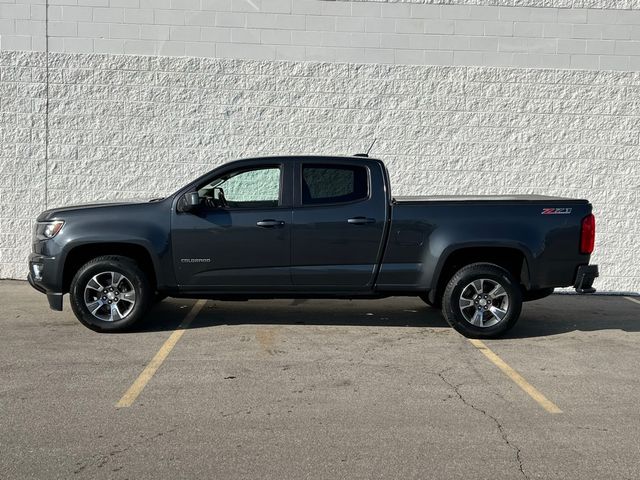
(372, 144)
(369, 149)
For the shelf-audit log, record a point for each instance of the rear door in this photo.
(339, 217)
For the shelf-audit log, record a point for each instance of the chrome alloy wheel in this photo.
(484, 303)
(109, 296)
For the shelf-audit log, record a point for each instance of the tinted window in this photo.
(333, 184)
(257, 188)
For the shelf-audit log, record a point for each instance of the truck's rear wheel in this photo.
(110, 293)
(482, 300)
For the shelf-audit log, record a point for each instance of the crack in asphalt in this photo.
(99, 460)
(501, 429)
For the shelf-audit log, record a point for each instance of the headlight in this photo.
(45, 230)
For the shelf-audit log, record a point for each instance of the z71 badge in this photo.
(556, 211)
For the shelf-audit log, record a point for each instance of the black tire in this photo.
(531, 295)
(437, 304)
(462, 283)
(138, 283)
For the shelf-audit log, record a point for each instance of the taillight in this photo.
(588, 234)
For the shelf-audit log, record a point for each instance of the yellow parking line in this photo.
(633, 300)
(136, 388)
(529, 389)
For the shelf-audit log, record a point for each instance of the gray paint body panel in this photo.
(316, 252)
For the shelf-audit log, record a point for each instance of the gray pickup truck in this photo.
(313, 227)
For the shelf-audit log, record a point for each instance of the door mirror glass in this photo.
(188, 202)
(193, 199)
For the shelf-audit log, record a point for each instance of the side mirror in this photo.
(193, 199)
(189, 201)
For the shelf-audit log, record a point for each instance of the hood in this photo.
(55, 213)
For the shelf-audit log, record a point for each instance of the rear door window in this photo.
(330, 184)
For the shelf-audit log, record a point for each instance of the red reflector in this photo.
(588, 234)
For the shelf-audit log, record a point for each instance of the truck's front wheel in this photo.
(110, 293)
(482, 300)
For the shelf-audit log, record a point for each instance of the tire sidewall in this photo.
(464, 277)
(120, 265)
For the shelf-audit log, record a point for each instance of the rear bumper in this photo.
(585, 278)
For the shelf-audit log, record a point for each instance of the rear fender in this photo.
(447, 253)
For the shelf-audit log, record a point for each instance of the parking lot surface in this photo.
(319, 389)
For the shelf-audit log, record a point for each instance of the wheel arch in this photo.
(78, 255)
(516, 259)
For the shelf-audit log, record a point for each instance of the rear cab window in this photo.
(324, 184)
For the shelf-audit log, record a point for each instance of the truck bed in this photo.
(534, 199)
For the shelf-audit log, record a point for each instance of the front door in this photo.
(239, 237)
(338, 224)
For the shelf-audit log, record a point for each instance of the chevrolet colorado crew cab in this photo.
(313, 227)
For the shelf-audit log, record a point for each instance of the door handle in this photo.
(360, 220)
(270, 223)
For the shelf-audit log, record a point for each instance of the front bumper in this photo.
(54, 299)
(41, 277)
(585, 277)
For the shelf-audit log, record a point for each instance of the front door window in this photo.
(257, 188)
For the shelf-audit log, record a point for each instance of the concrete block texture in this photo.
(123, 126)
(599, 35)
(602, 4)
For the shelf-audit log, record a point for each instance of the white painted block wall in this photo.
(121, 126)
(467, 32)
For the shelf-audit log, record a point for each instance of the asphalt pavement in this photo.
(319, 389)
